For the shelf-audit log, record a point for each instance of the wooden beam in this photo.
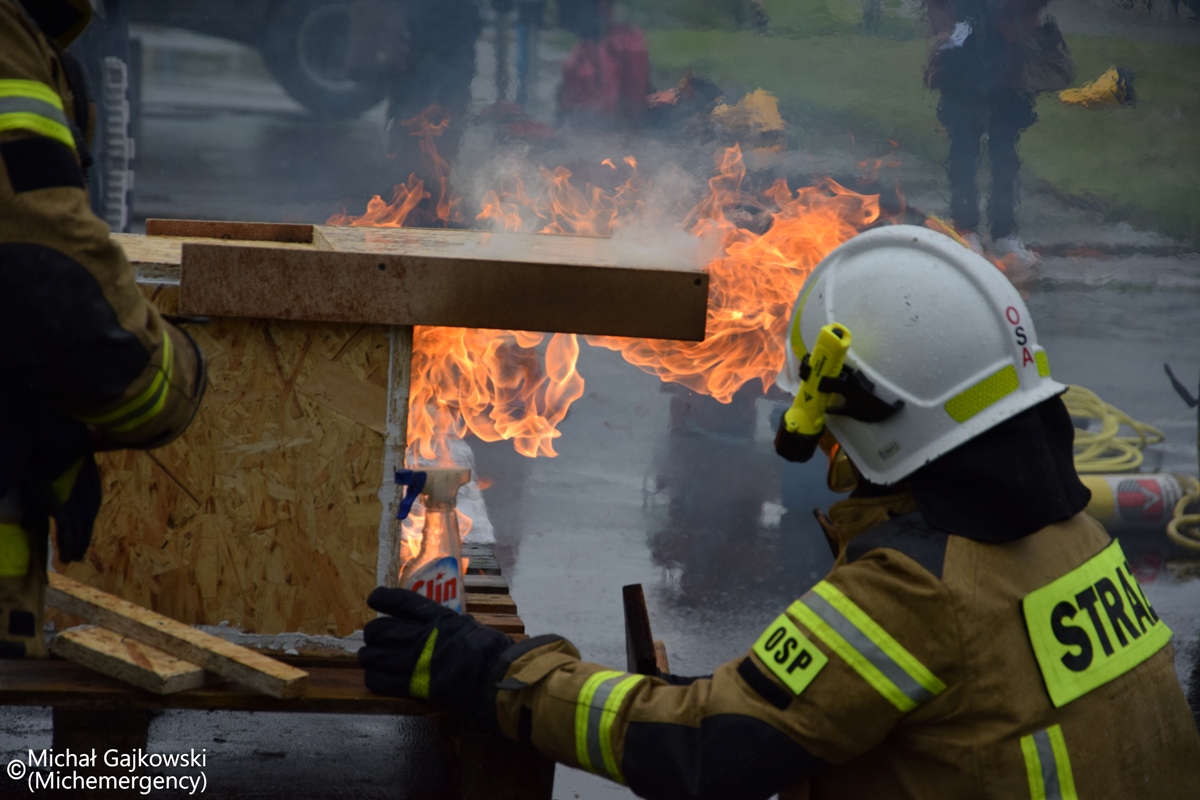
(490, 604)
(126, 660)
(485, 584)
(244, 231)
(640, 653)
(213, 653)
(580, 287)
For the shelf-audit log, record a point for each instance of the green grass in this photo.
(1141, 163)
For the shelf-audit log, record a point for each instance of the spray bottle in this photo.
(436, 571)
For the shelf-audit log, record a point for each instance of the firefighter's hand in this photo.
(425, 650)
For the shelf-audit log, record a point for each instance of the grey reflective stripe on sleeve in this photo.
(914, 691)
(30, 105)
(1049, 765)
(595, 715)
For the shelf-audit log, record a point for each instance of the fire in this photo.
(490, 383)
(408, 204)
(753, 286)
(518, 386)
(563, 208)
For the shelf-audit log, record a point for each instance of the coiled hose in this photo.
(1106, 450)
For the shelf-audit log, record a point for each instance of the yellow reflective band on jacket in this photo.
(870, 650)
(1048, 765)
(14, 550)
(35, 107)
(596, 710)
(1091, 625)
(145, 406)
(419, 685)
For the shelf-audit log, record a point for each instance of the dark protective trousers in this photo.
(1002, 113)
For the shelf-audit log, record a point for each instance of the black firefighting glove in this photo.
(425, 650)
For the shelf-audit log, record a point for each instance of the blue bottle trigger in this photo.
(414, 483)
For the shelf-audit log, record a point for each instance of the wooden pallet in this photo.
(92, 710)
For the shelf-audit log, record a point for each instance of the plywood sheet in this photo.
(265, 513)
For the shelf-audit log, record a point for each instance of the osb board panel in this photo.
(265, 512)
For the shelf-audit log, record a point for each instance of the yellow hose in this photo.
(1106, 450)
(1184, 529)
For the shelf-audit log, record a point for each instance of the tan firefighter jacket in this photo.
(75, 329)
(925, 665)
(85, 360)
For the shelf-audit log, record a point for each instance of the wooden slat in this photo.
(485, 584)
(126, 660)
(505, 623)
(245, 231)
(445, 287)
(228, 660)
(640, 654)
(490, 604)
(332, 690)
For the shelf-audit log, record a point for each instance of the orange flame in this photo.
(753, 286)
(408, 197)
(561, 207)
(519, 386)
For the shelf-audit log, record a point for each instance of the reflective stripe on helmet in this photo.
(870, 650)
(35, 107)
(1048, 765)
(988, 391)
(596, 710)
(1043, 363)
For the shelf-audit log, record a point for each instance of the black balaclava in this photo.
(1008, 482)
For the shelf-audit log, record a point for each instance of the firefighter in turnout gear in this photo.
(979, 635)
(86, 363)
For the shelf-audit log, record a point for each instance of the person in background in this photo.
(990, 60)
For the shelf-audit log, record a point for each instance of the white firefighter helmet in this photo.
(943, 347)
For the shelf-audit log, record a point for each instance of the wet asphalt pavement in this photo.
(653, 485)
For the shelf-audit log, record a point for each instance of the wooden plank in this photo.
(245, 231)
(126, 660)
(213, 653)
(639, 642)
(485, 584)
(660, 657)
(456, 288)
(490, 603)
(505, 623)
(53, 682)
